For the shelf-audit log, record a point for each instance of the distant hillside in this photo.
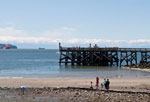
(7, 46)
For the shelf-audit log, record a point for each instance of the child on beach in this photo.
(102, 85)
(104, 81)
(91, 86)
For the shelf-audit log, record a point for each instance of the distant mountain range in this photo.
(7, 46)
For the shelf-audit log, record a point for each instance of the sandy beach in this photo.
(74, 89)
(124, 83)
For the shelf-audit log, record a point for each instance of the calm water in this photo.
(44, 63)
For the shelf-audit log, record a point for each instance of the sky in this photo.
(45, 23)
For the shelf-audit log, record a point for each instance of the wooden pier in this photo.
(97, 56)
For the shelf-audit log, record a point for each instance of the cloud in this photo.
(63, 32)
(100, 42)
(11, 31)
(69, 29)
(65, 35)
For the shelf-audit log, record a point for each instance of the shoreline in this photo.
(139, 69)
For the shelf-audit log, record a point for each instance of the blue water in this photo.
(44, 63)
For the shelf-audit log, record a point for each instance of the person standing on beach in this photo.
(102, 85)
(97, 82)
(104, 81)
(107, 84)
(23, 88)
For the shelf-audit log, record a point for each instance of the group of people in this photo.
(105, 84)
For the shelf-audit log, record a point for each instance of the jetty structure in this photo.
(102, 56)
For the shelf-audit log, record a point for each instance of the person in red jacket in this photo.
(97, 82)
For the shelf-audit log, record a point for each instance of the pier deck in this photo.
(96, 56)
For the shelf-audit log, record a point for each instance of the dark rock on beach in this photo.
(142, 65)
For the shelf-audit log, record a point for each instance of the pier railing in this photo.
(104, 49)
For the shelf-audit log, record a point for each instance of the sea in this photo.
(44, 63)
